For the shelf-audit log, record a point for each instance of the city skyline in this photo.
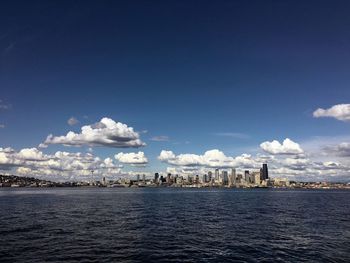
(181, 88)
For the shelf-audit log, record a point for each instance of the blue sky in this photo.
(193, 71)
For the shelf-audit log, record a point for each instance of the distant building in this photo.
(210, 175)
(156, 178)
(247, 176)
(256, 178)
(232, 177)
(224, 178)
(265, 172)
(217, 176)
(239, 178)
(205, 178)
(168, 178)
(144, 178)
(137, 177)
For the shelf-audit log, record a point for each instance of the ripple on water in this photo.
(174, 225)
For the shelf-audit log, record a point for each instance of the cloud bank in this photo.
(60, 165)
(210, 159)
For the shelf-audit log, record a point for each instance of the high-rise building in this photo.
(168, 178)
(210, 174)
(265, 172)
(256, 178)
(232, 177)
(156, 178)
(247, 176)
(205, 178)
(144, 178)
(137, 177)
(224, 178)
(239, 178)
(217, 175)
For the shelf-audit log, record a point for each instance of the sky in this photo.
(126, 87)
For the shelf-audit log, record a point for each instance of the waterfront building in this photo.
(205, 178)
(247, 176)
(256, 178)
(265, 173)
(239, 178)
(197, 179)
(156, 178)
(210, 174)
(168, 178)
(224, 178)
(217, 175)
(232, 178)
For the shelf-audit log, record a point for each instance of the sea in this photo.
(174, 225)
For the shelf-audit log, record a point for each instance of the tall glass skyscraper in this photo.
(265, 172)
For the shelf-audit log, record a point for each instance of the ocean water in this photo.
(174, 225)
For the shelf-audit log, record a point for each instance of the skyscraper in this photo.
(205, 178)
(232, 177)
(217, 175)
(247, 176)
(265, 172)
(224, 178)
(209, 176)
(156, 178)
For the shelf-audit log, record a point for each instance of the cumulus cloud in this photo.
(161, 138)
(212, 158)
(60, 165)
(132, 158)
(106, 132)
(342, 149)
(72, 121)
(340, 112)
(287, 147)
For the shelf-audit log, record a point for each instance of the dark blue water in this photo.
(179, 225)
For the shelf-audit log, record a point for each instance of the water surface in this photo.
(174, 225)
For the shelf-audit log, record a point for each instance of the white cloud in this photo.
(106, 132)
(57, 166)
(287, 147)
(212, 158)
(342, 149)
(340, 112)
(132, 158)
(72, 121)
(161, 138)
(2, 126)
(31, 154)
